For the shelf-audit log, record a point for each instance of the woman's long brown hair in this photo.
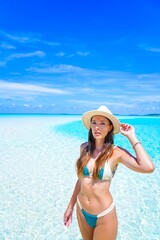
(88, 151)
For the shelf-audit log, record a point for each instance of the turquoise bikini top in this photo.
(105, 173)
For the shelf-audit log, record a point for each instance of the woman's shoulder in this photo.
(119, 148)
(120, 152)
(117, 151)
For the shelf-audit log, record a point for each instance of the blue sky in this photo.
(73, 56)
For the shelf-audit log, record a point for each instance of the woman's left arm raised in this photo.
(142, 162)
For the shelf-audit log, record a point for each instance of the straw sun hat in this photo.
(102, 111)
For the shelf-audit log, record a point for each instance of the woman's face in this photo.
(100, 127)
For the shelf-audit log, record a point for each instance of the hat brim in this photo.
(86, 119)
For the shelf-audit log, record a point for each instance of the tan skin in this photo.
(94, 195)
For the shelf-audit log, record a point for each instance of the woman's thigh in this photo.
(107, 227)
(85, 229)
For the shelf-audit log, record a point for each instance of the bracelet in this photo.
(135, 144)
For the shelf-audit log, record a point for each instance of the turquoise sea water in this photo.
(37, 162)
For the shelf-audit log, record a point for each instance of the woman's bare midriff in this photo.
(94, 195)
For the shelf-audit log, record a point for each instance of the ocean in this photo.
(37, 162)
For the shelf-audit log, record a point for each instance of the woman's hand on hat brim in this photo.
(126, 129)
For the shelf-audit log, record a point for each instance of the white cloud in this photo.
(150, 49)
(7, 46)
(102, 82)
(13, 88)
(22, 38)
(50, 43)
(61, 68)
(83, 53)
(71, 55)
(17, 38)
(24, 55)
(94, 74)
(26, 105)
(107, 103)
(60, 54)
(147, 98)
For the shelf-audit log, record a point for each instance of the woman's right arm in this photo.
(69, 211)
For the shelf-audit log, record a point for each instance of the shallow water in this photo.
(37, 162)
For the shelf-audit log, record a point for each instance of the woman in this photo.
(96, 166)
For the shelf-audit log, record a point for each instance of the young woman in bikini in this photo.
(96, 166)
